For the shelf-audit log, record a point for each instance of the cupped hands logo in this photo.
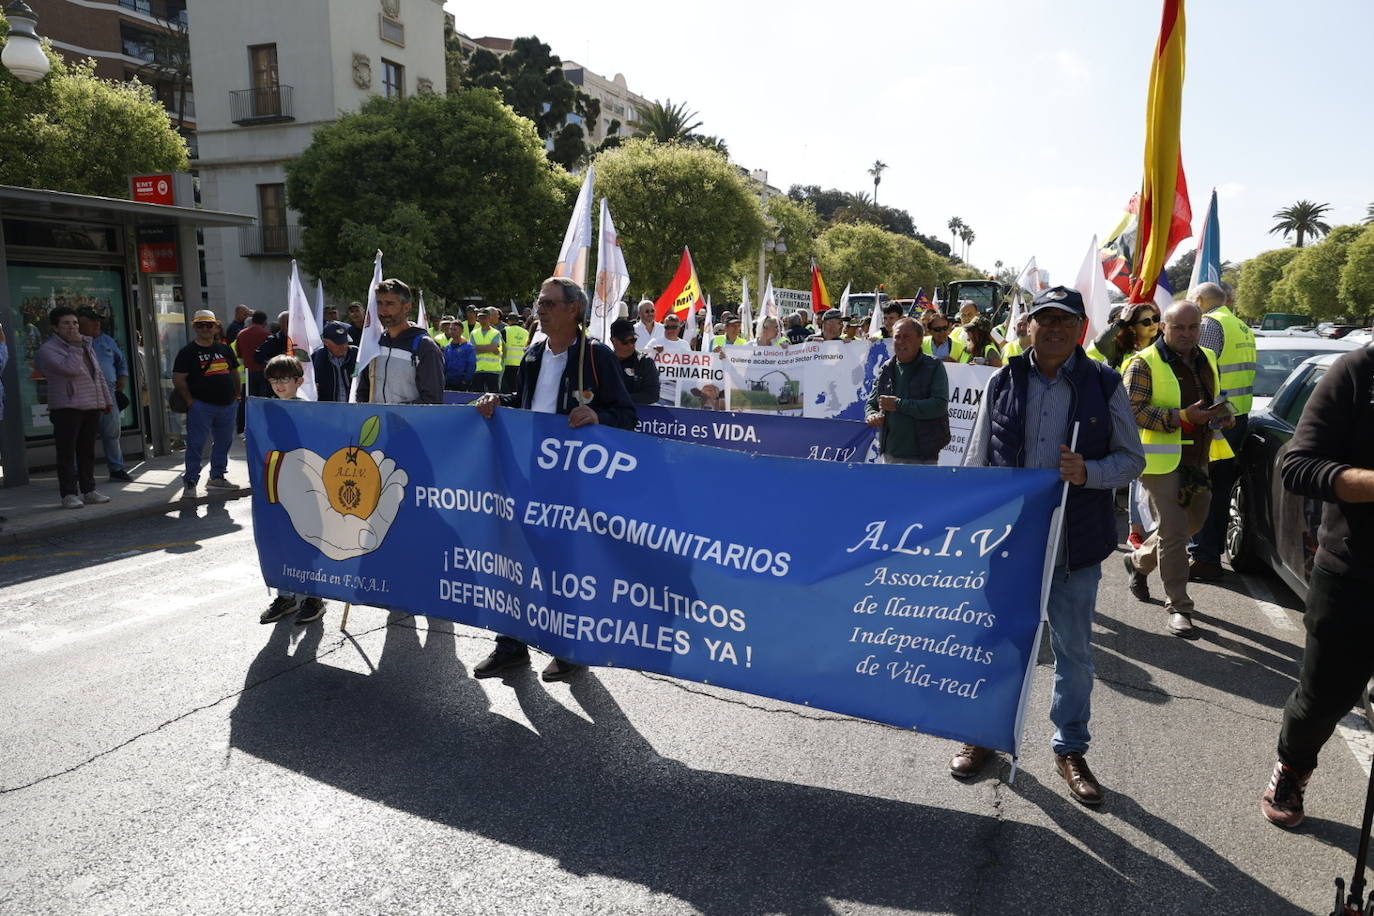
(342, 505)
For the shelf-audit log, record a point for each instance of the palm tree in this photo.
(1303, 218)
(1369, 215)
(967, 235)
(665, 122)
(879, 166)
(955, 224)
(858, 208)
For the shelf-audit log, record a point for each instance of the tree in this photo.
(665, 122)
(876, 170)
(1257, 278)
(665, 196)
(828, 205)
(859, 208)
(1301, 219)
(1311, 281)
(530, 78)
(455, 190)
(867, 256)
(968, 236)
(72, 131)
(955, 224)
(1369, 214)
(1356, 289)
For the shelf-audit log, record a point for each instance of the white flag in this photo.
(844, 301)
(1092, 286)
(1033, 280)
(303, 336)
(768, 308)
(708, 330)
(875, 321)
(612, 277)
(319, 303)
(421, 318)
(746, 316)
(577, 241)
(370, 343)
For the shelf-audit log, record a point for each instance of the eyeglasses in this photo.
(1146, 321)
(937, 328)
(1060, 320)
(203, 324)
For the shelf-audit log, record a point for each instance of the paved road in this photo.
(161, 752)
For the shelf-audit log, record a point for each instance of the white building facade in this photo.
(268, 74)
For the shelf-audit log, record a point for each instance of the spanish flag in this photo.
(683, 295)
(820, 299)
(1164, 212)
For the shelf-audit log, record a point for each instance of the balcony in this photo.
(265, 105)
(269, 241)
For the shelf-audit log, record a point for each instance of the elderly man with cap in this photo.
(732, 336)
(1173, 387)
(832, 323)
(408, 368)
(334, 362)
(1030, 410)
(115, 368)
(205, 374)
(639, 370)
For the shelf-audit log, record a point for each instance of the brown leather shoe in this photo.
(1082, 783)
(968, 761)
(1205, 571)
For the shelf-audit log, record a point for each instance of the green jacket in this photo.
(919, 427)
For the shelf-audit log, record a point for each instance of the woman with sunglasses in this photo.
(769, 335)
(1133, 331)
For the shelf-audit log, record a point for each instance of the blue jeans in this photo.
(109, 436)
(1070, 609)
(204, 421)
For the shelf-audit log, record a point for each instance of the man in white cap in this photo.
(206, 376)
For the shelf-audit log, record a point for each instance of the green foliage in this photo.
(867, 256)
(530, 79)
(666, 196)
(1311, 281)
(666, 122)
(1302, 219)
(833, 205)
(1258, 276)
(455, 190)
(72, 131)
(1356, 288)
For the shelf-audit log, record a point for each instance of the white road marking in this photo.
(1264, 599)
(1358, 737)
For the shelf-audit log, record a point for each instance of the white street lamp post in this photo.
(23, 55)
(768, 245)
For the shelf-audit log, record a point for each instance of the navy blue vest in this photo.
(1089, 525)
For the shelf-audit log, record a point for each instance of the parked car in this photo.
(1360, 337)
(1277, 321)
(1268, 526)
(1276, 355)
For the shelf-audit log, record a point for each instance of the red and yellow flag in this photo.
(820, 298)
(1165, 214)
(683, 294)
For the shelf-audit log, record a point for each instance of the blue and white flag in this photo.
(1207, 263)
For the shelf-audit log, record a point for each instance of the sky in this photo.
(1025, 118)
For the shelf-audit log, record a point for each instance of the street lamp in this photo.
(777, 245)
(23, 55)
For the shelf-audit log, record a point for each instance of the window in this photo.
(1292, 412)
(272, 216)
(262, 64)
(393, 79)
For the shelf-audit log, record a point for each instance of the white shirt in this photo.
(551, 369)
(643, 335)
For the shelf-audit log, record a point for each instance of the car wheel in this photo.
(1368, 703)
(1240, 535)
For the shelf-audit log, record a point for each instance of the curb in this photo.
(72, 521)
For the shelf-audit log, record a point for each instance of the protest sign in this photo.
(967, 383)
(595, 545)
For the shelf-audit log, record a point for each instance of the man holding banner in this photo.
(1053, 407)
(910, 401)
(564, 373)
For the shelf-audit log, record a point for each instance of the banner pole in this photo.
(1051, 552)
(371, 399)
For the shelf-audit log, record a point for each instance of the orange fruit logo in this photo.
(352, 480)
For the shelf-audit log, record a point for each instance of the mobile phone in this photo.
(1219, 403)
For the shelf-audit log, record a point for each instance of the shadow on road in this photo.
(418, 736)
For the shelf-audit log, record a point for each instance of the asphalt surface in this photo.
(162, 752)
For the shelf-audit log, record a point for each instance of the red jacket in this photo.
(248, 341)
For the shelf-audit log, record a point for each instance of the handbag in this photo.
(176, 403)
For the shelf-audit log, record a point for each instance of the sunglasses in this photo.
(626, 340)
(937, 328)
(1146, 321)
(203, 324)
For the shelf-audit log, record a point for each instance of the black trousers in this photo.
(486, 381)
(75, 431)
(510, 377)
(1336, 664)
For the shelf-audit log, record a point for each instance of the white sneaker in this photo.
(219, 483)
(72, 502)
(188, 491)
(94, 498)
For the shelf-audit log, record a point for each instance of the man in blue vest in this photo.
(1028, 415)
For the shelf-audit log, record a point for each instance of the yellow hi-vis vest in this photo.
(243, 370)
(1163, 450)
(487, 362)
(1095, 354)
(1237, 359)
(516, 338)
(1012, 348)
(957, 350)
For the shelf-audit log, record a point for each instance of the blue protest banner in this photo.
(760, 434)
(916, 606)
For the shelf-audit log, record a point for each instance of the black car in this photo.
(1268, 526)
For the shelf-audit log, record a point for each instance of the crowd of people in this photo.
(1155, 406)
